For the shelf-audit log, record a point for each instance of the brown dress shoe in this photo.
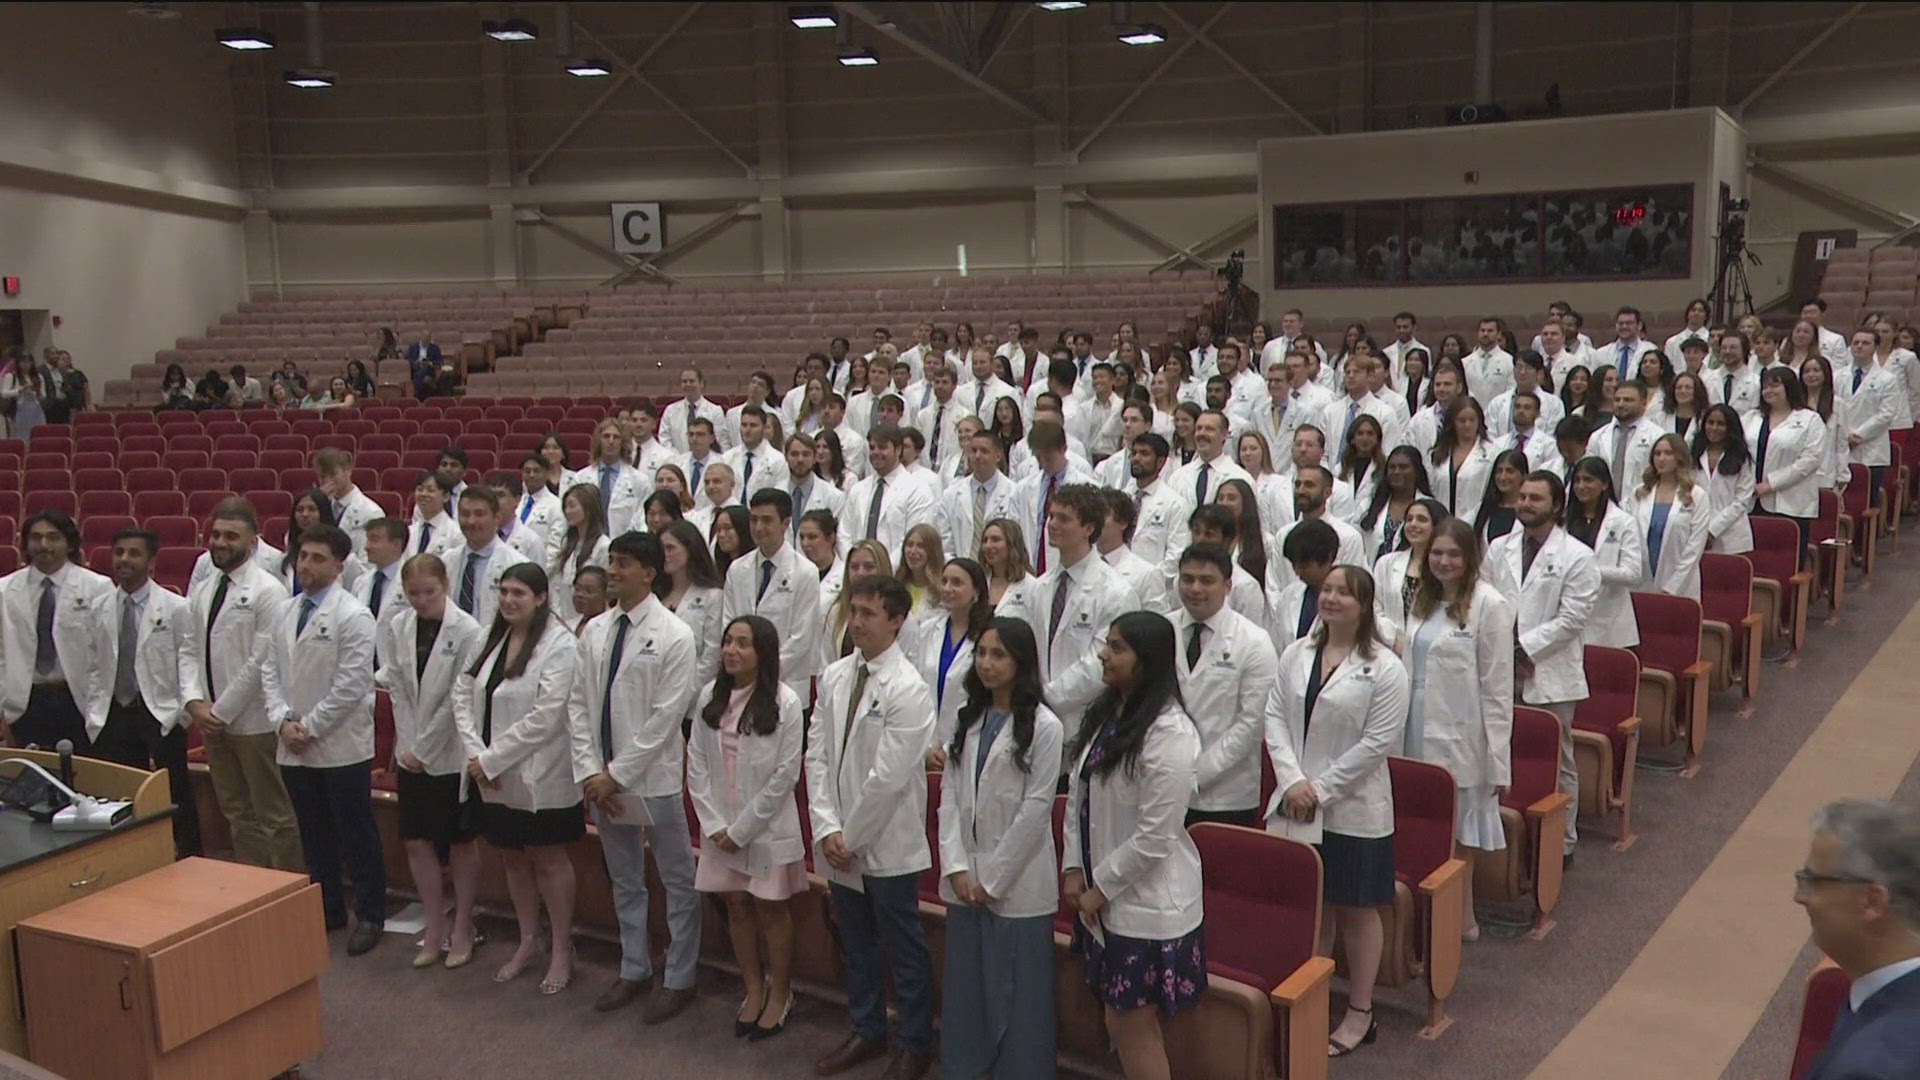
(622, 992)
(856, 1051)
(905, 1066)
(664, 1004)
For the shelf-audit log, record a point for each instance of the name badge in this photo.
(647, 650)
(241, 602)
(79, 603)
(784, 586)
(1083, 619)
(322, 631)
(1462, 633)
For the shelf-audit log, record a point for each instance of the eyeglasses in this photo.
(1806, 879)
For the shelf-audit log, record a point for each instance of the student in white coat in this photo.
(1148, 580)
(743, 759)
(538, 508)
(986, 492)
(1789, 441)
(429, 642)
(1337, 710)
(693, 404)
(1722, 460)
(943, 650)
(317, 675)
(1673, 515)
(633, 685)
(229, 618)
(997, 862)
(806, 489)
(352, 509)
(1398, 573)
(774, 581)
(1160, 528)
(1226, 668)
(54, 639)
(1816, 376)
(1619, 545)
(144, 725)
(1131, 872)
(867, 793)
(693, 589)
(1626, 441)
(757, 463)
(378, 587)
(1034, 495)
(1461, 461)
(431, 528)
(1551, 580)
(885, 505)
(1876, 405)
(1071, 605)
(1459, 657)
(578, 541)
(511, 708)
(479, 563)
(622, 487)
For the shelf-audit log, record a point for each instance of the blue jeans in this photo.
(882, 927)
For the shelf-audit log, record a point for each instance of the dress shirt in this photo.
(1879, 979)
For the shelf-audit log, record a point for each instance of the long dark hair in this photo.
(1253, 543)
(581, 541)
(761, 715)
(831, 466)
(1579, 525)
(1490, 500)
(738, 518)
(1017, 638)
(329, 514)
(700, 571)
(1354, 465)
(1383, 492)
(1156, 684)
(980, 615)
(1448, 438)
(1733, 449)
(530, 575)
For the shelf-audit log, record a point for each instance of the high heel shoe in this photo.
(758, 1033)
(550, 987)
(428, 956)
(743, 1028)
(463, 958)
(1335, 1050)
(513, 968)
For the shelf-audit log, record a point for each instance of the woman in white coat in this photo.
(1619, 552)
(1131, 871)
(1789, 442)
(998, 862)
(427, 645)
(1336, 712)
(944, 653)
(1461, 463)
(1397, 574)
(1673, 516)
(1720, 456)
(1460, 665)
(743, 760)
(691, 590)
(511, 706)
(1816, 376)
(580, 542)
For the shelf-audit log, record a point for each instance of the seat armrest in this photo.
(1301, 1019)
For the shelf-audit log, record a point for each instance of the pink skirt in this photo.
(778, 884)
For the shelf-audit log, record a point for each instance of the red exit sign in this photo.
(12, 285)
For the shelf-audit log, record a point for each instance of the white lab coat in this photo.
(1729, 501)
(1224, 693)
(1460, 490)
(393, 598)
(158, 636)
(1149, 583)
(769, 469)
(924, 651)
(1553, 605)
(1871, 412)
(486, 584)
(1358, 720)
(528, 759)
(1160, 534)
(247, 620)
(868, 784)
(1029, 497)
(323, 678)
(956, 510)
(544, 518)
(905, 503)
(1144, 862)
(1680, 546)
(1620, 557)
(1390, 598)
(673, 423)
(83, 638)
(1070, 668)
(1283, 617)
(1795, 450)
(700, 610)
(352, 512)
(791, 603)
(652, 690)
(630, 489)
(1280, 572)
(1186, 479)
(423, 703)
(267, 557)
(766, 823)
(561, 575)
(1466, 707)
(1639, 449)
(999, 827)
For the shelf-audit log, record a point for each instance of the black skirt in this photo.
(512, 829)
(1358, 870)
(430, 807)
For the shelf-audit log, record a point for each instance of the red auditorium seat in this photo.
(99, 558)
(1783, 590)
(419, 461)
(92, 418)
(577, 429)
(1670, 663)
(192, 480)
(269, 502)
(547, 412)
(391, 502)
(1606, 737)
(177, 459)
(155, 443)
(212, 415)
(136, 425)
(10, 463)
(194, 441)
(174, 530)
(200, 504)
(535, 428)
(44, 479)
(365, 479)
(286, 441)
(54, 462)
(94, 503)
(384, 736)
(355, 429)
(376, 460)
(9, 559)
(1423, 922)
(278, 460)
(496, 429)
(9, 513)
(274, 531)
(333, 440)
(98, 529)
(225, 429)
(465, 414)
(97, 444)
(173, 567)
(382, 442)
(1826, 994)
(152, 479)
(398, 478)
(148, 505)
(64, 501)
(252, 479)
(296, 480)
(269, 427)
(94, 459)
(242, 443)
(1730, 634)
(312, 428)
(381, 414)
(99, 480)
(50, 444)
(444, 430)
(1534, 813)
(129, 460)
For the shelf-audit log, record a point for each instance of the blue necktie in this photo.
(698, 468)
(606, 700)
(306, 612)
(606, 485)
(526, 509)
(1200, 487)
(766, 579)
(1626, 361)
(467, 573)
(1859, 373)
(426, 537)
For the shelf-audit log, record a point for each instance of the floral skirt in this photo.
(1132, 973)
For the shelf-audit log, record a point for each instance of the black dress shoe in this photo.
(856, 1051)
(906, 1066)
(365, 936)
(336, 922)
(758, 1033)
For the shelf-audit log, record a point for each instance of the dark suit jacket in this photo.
(432, 352)
(1881, 1042)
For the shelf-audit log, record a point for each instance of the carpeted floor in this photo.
(1515, 1000)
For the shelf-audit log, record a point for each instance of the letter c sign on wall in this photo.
(637, 228)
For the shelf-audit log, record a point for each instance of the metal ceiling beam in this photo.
(696, 125)
(651, 263)
(1793, 61)
(1200, 35)
(1177, 253)
(940, 58)
(1232, 232)
(628, 71)
(1867, 211)
(1173, 57)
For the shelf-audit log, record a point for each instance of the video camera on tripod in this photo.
(1732, 293)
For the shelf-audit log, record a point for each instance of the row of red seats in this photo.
(237, 434)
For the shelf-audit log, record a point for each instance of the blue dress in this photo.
(1132, 973)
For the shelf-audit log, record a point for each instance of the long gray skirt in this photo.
(996, 1016)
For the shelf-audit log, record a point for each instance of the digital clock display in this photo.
(1630, 213)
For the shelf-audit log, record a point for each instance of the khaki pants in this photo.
(247, 784)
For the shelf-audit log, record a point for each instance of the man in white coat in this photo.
(1227, 666)
(378, 590)
(431, 530)
(476, 565)
(1161, 512)
(777, 583)
(1528, 369)
(144, 721)
(52, 640)
(983, 494)
(352, 509)
(1489, 367)
(1338, 415)
(939, 421)
(1628, 345)
(1552, 582)
(1625, 443)
(538, 508)
(867, 795)
(693, 403)
(1053, 470)
(757, 464)
(1312, 493)
(805, 490)
(1874, 407)
(621, 486)
(317, 675)
(1211, 466)
(636, 680)
(1145, 578)
(885, 505)
(986, 388)
(230, 620)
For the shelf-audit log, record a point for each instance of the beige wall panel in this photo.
(881, 236)
(347, 250)
(1095, 241)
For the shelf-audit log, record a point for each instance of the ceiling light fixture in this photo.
(510, 30)
(1142, 34)
(813, 17)
(244, 38)
(309, 78)
(588, 68)
(1060, 5)
(851, 57)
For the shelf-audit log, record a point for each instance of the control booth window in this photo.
(1613, 233)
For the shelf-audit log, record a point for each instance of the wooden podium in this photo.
(201, 970)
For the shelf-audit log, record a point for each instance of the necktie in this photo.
(698, 468)
(426, 537)
(1760, 450)
(933, 450)
(467, 574)
(1200, 486)
(1059, 610)
(1529, 547)
(1046, 501)
(1622, 434)
(746, 481)
(979, 397)
(1279, 415)
(979, 513)
(1353, 413)
(873, 507)
(526, 507)
(46, 656)
(1519, 438)
(606, 699)
(1859, 374)
(926, 394)
(766, 579)
(1193, 645)
(861, 671)
(1726, 394)
(799, 507)
(213, 616)
(1625, 360)
(306, 612)
(126, 685)
(1309, 611)
(606, 485)
(1139, 500)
